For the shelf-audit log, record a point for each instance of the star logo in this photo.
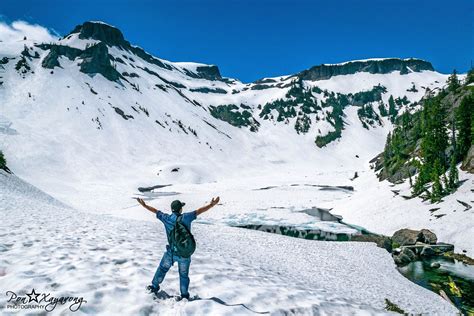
(33, 296)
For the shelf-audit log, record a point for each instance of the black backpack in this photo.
(181, 240)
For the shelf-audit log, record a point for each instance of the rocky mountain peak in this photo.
(100, 31)
(373, 66)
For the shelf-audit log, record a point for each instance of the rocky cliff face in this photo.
(468, 163)
(101, 32)
(375, 66)
(112, 36)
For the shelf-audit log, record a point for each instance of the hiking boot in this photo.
(152, 289)
(184, 296)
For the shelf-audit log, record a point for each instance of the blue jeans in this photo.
(183, 267)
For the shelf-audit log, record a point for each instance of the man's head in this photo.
(177, 206)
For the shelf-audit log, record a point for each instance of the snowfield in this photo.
(452, 221)
(108, 261)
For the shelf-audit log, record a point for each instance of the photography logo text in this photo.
(45, 301)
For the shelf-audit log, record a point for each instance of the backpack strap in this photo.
(178, 218)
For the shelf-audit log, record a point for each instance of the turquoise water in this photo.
(455, 278)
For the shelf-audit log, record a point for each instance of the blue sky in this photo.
(254, 39)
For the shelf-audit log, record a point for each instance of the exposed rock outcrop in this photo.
(209, 72)
(55, 51)
(96, 59)
(375, 66)
(468, 162)
(112, 36)
(103, 32)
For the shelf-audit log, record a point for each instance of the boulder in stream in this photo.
(427, 252)
(404, 257)
(405, 237)
(435, 265)
(427, 236)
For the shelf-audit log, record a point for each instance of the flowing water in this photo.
(454, 278)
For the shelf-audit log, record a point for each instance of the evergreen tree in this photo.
(434, 135)
(470, 76)
(434, 141)
(392, 109)
(387, 153)
(453, 175)
(453, 81)
(382, 109)
(446, 183)
(423, 178)
(454, 149)
(406, 123)
(464, 125)
(437, 188)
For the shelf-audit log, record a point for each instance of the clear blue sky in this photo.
(254, 39)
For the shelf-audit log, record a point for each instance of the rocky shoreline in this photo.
(407, 245)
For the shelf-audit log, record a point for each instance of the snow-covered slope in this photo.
(108, 261)
(90, 117)
(452, 219)
(65, 114)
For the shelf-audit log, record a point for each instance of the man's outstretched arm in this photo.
(142, 203)
(205, 208)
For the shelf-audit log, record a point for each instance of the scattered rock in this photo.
(461, 257)
(208, 90)
(392, 307)
(122, 113)
(405, 236)
(427, 236)
(148, 189)
(435, 265)
(405, 257)
(427, 252)
(443, 247)
(466, 205)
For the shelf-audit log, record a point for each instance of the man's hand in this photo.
(203, 209)
(142, 203)
(214, 201)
